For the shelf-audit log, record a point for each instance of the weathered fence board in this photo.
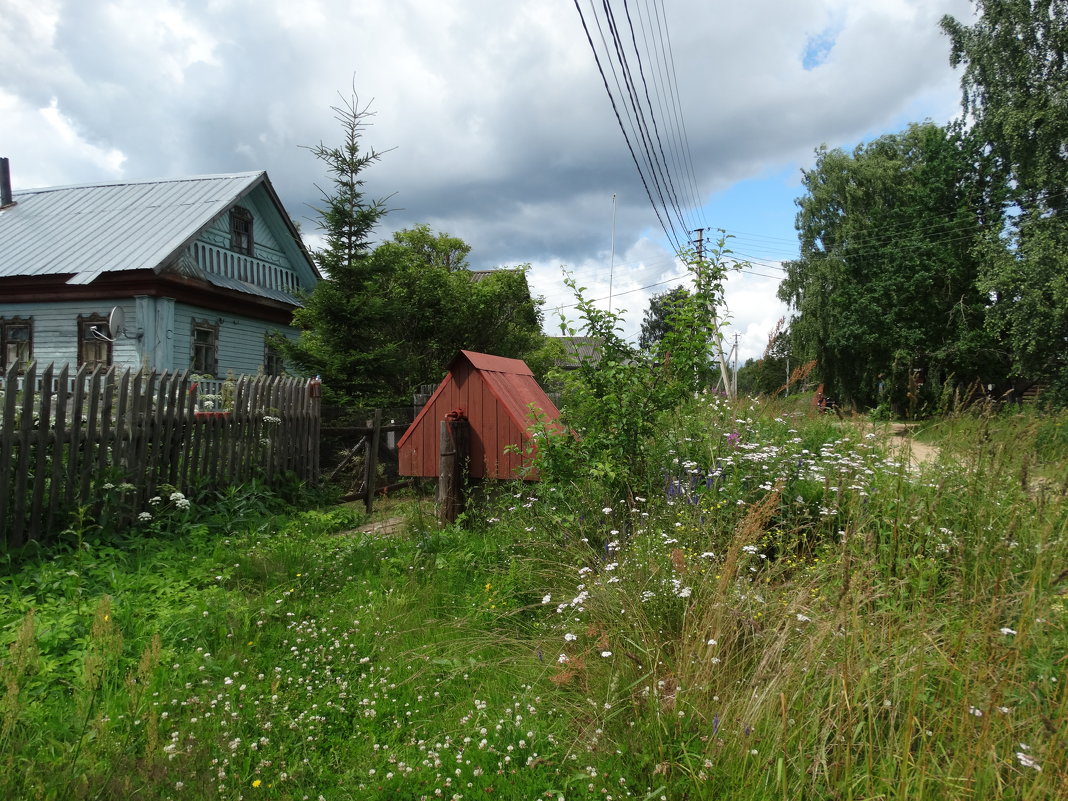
(59, 428)
(63, 437)
(42, 449)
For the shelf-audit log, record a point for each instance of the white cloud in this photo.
(502, 131)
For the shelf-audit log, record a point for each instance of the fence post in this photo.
(452, 468)
(372, 461)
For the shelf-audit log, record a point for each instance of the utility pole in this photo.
(724, 377)
(734, 376)
(612, 263)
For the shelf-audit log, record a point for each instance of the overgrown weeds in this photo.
(780, 610)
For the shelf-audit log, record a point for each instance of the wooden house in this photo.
(194, 273)
(499, 398)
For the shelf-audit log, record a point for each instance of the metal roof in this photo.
(89, 229)
(578, 350)
(497, 364)
(510, 383)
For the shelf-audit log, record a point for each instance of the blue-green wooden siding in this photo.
(241, 339)
(167, 333)
(55, 329)
(268, 267)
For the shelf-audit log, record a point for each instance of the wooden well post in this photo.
(453, 457)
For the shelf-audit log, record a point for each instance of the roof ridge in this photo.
(141, 182)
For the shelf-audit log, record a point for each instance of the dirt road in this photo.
(903, 446)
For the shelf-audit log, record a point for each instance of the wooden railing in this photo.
(63, 437)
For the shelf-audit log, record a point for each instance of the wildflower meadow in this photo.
(785, 609)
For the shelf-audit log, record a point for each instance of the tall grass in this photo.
(781, 612)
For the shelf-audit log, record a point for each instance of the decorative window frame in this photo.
(209, 363)
(241, 227)
(273, 363)
(6, 324)
(85, 323)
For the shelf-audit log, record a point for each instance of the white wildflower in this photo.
(1028, 761)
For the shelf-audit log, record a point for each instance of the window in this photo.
(93, 349)
(272, 360)
(241, 230)
(16, 342)
(205, 348)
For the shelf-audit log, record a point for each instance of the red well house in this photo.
(496, 395)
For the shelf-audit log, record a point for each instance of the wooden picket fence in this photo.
(62, 437)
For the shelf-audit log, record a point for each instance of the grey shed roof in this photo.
(578, 350)
(91, 229)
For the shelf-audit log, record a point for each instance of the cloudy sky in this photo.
(496, 121)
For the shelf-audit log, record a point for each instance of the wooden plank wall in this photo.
(63, 437)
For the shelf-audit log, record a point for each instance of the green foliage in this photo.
(788, 614)
(882, 294)
(659, 315)
(438, 308)
(1030, 314)
(384, 321)
(427, 249)
(339, 318)
(613, 403)
(404, 311)
(769, 374)
(1014, 58)
(912, 273)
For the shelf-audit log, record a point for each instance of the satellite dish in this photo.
(116, 322)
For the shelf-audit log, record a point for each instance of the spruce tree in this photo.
(341, 316)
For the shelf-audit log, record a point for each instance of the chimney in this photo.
(5, 184)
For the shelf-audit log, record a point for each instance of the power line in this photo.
(651, 130)
(658, 174)
(656, 129)
(665, 42)
(671, 115)
(673, 279)
(619, 120)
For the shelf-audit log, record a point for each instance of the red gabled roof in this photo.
(496, 364)
(510, 382)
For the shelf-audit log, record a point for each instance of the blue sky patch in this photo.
(818, 47)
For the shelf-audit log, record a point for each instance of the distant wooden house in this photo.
(200, 270)
(578, 350)
(499, 397)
